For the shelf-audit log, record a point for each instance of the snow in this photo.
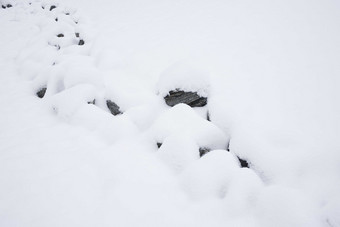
(183, 77)
(179, 151)
(270, 72)
(182, 120)
(211, 175)
(275, 201)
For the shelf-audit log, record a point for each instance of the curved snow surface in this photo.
(269, 70)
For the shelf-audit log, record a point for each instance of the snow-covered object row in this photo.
(182, 121)
(170, 124)
(66, 76)
(69, 80)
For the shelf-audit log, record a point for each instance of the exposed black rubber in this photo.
(81, 42)
(244, 163)
(190, 98)
(41, 92)
(113, 107)
(203, 151)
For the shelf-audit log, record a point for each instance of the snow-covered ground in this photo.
(270, 71)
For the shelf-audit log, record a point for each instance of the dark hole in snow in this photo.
(9, 5)
(92, 102)
(56, 19)
(43, 7)
(60, 35)
(52, 7)
(208, 116)
(4, 7)
(159, 144)
(113, 107)
(41, 92)
(203, 151)
(67, 14)
(77, 34)
(190, 98)
(81, 42)
(244, 163)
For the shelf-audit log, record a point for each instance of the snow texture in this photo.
(268, 69)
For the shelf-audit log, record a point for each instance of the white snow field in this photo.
(100, 146)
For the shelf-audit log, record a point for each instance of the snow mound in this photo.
(183, 120)
(178, 152)
(243, 191)
(107, 127)
(210, 176)
(66, 103)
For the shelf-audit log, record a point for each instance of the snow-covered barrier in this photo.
(67, 102)
(178, 151)
(216, 175)
(182, 83)
(181, 120)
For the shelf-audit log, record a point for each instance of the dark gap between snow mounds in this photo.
(244, 163)
(208, 116)
(81, 42)
(41, 92)
(93, 102)
(190, 98)
(6, 6)
(113, 107)
(203, 151)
